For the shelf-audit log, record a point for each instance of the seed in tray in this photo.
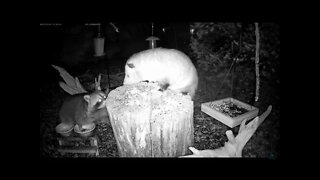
(229, 108)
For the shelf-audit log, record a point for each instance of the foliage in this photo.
(216, 44)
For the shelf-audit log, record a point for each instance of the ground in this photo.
(208, 132)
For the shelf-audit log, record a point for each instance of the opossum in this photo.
(82, 109)
(169, 67)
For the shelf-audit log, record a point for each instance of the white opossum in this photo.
(169, 67)
(83, 109)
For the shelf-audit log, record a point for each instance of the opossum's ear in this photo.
(131, 65)
(87, 98)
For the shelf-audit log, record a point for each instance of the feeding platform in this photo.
(147, 122)
(79, 142)
(229, 111)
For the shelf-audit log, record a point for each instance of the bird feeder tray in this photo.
(229, 111)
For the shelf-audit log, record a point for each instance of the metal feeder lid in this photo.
(152, 38)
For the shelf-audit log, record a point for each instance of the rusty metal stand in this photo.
(77, 144)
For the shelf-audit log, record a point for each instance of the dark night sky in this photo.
(53, 37)
(67, 44)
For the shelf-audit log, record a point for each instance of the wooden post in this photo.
(257, 61)
(150, 123)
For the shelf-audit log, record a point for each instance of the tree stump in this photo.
(150, 123)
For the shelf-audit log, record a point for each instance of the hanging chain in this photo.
(224, 80)
(151, 29)
(233, 60)
(99, 30)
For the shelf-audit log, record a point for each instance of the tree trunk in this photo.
(257, 61)
(149, 123)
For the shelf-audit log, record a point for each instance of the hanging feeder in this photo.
(152, 40)
(99, 44)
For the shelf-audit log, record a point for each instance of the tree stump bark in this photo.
(150, 123)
